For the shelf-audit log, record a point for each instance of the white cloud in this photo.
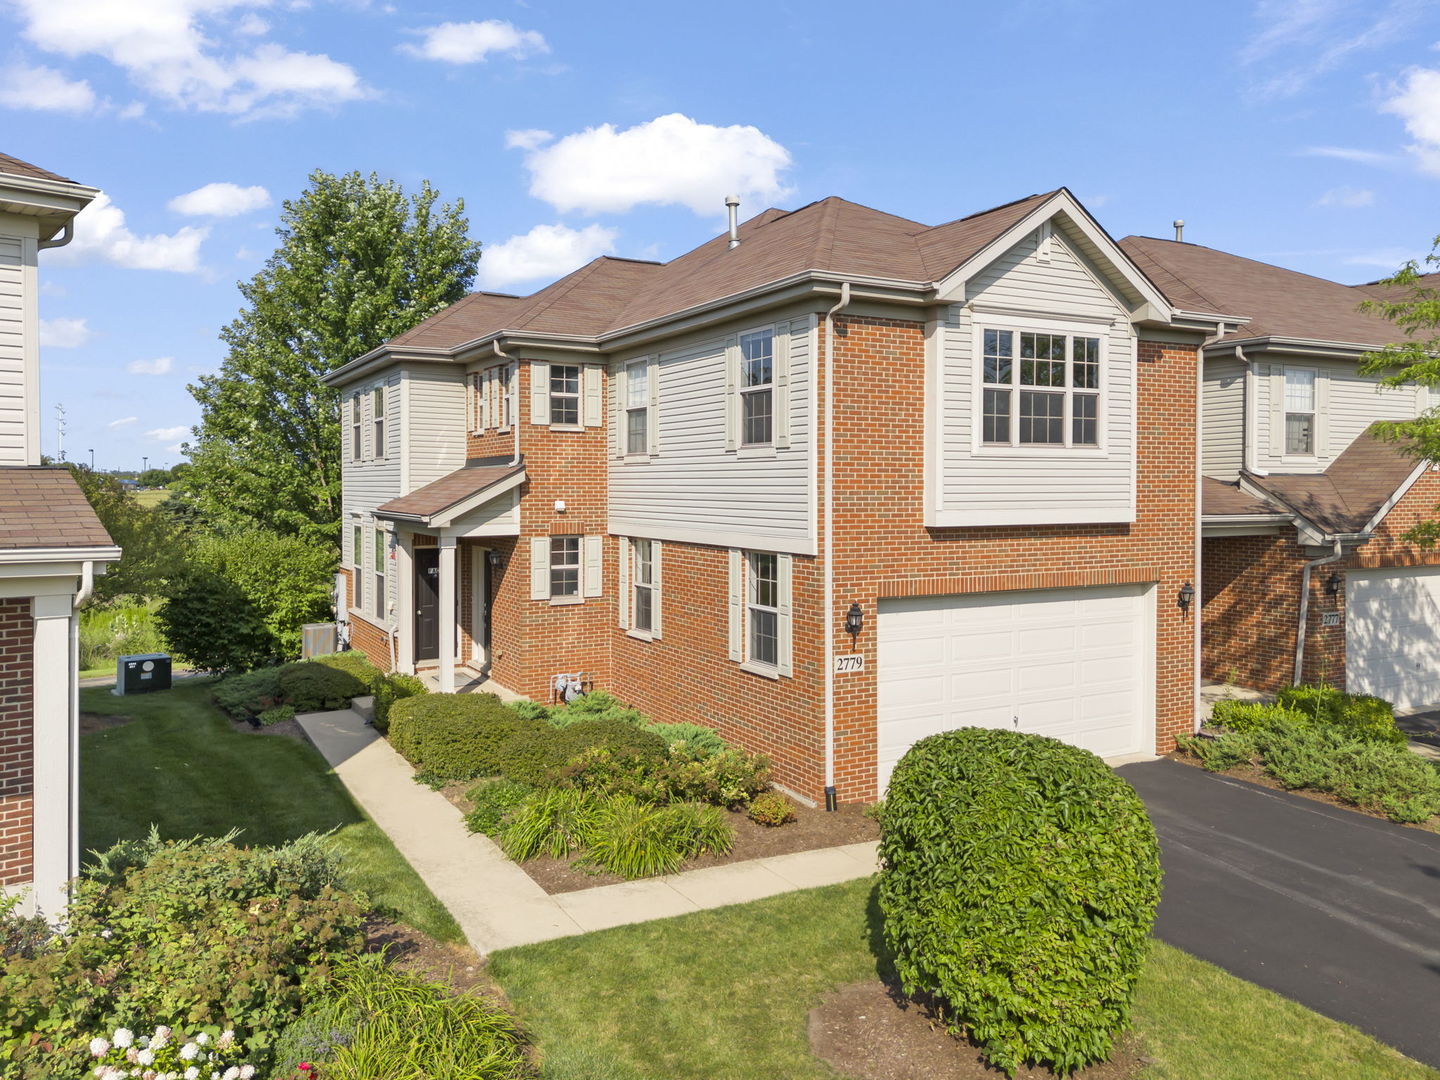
(669, 160)
(220, 200)
(1417, 102)
(161, 365)
(252, 26)
(101, 234)
(168, 48)
(64, 333)
(546, 251)
(472, 42)
(44, 88)
(1347, 197)
(1296, 41)
(528, 139)
(175, 448)
(165, 434)
(1349, 153)
(124, 421)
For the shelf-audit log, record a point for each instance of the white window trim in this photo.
(379, 425)
(624, 409)
(1017, 325)
(379, 574)
(739, 614)
(1286, 455)
(628, 585)
(356, 433)
(504, 415)
(742, 391)
(780, 333)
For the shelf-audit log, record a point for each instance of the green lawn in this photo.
(152, 496)
(181, 766)
(723, 995)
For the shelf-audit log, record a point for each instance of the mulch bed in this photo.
(810, 830)
(871, 1031)
(459, 966)
(91, 722)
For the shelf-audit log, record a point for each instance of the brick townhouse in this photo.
(51, 547)
(830, 482)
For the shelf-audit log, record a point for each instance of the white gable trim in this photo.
(1062, 203)
(1399, 494)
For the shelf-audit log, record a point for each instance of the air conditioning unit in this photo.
(319, 639)
(142, 673)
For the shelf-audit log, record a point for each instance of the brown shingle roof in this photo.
(15, 167)
(832, 235)
(1347, 495)
(456, 487)
(1279, 302)
(1225, 499)
(43, 507)
(1379, 291)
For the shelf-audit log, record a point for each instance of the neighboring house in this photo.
(1294, 479)
(51, 546)
(676, 480)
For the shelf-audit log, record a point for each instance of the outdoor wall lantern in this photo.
(495, 559)
(1186, 598)
(1332, 584)
(854, 621)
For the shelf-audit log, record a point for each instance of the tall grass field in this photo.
(120, 629)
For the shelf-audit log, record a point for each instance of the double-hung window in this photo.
(356, 432)
(757, 388)
(379, 572)
(642, 555)
(1299, 412)
(357, 565)
(377, 417)
(565, 394)
(1040, 389)
(637, 407)
(762, 610)
(564, 567)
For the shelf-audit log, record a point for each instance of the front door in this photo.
(427, 603)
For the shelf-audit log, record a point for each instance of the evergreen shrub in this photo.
(454, 736)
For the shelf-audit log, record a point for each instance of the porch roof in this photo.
(480, 480)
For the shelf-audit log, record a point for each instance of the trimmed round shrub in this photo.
(536, 755)
(771, 809)
(454, 736)
(1019, 885)
(313, 687)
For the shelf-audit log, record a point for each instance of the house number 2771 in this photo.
(853, 662)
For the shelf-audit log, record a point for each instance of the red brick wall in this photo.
(17, 741)
(1252, 598)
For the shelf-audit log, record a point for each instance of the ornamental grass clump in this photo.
(1019, 885)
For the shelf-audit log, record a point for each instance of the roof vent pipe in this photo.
(1179, 230)
(732, 204)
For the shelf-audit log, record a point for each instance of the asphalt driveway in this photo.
(1336, 910)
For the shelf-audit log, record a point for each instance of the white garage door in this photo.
(1073, 664)
(1392, 634)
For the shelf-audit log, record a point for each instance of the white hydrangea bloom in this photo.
(232, 1073)
(146, 1057)
(190, 1051)
(246, 1072)
(124, 1037)
(226, 1038)
(98, 1046)
(202, 1038)
(192, 1073)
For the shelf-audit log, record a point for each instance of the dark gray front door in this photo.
(427, 603)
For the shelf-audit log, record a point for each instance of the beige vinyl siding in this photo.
(1222, 419)
(19, 357)
(691, 488)
(1346, 404)
(975, 485)
(434, 424)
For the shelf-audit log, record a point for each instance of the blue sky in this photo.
(1301, 132)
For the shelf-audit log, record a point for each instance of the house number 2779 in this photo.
(853, 662)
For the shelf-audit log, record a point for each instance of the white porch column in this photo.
(55, 826)
(447, 614)
(405, 601)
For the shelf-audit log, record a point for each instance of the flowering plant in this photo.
(165, 1055)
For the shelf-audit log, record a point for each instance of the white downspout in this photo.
(828, 622)
(1197, 578)
(1305, 608)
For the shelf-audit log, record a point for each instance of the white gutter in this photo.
(1305, 608)
(828, 608)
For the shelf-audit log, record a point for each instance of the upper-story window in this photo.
(356, 432)
(637, 407)
(757, 388)
(565, 394)
(1040, 389)
(377, 418)
(1299, 411)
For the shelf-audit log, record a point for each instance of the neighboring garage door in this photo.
(1392, 634)
(1074, 664)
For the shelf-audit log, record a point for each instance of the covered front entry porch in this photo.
(453, 542)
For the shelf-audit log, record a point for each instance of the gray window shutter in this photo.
(621, 390)
(784, 620)
(1277, 410)
(737, 605)
(1322, 413)
(590, 376)
(653, 432)
(623, 600)
(540, 568)
(594, 565)
(539, 393)
(782, 385)
(732, 393)
(659, 591)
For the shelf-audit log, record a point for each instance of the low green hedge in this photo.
(315, 687)
(352, 662)
(535, 755)
(454, 736)
(249, 694)
(392, 688)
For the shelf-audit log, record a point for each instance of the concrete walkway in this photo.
(495, 902)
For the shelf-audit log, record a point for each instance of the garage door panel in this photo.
(1392, 638)
(1069, 663)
